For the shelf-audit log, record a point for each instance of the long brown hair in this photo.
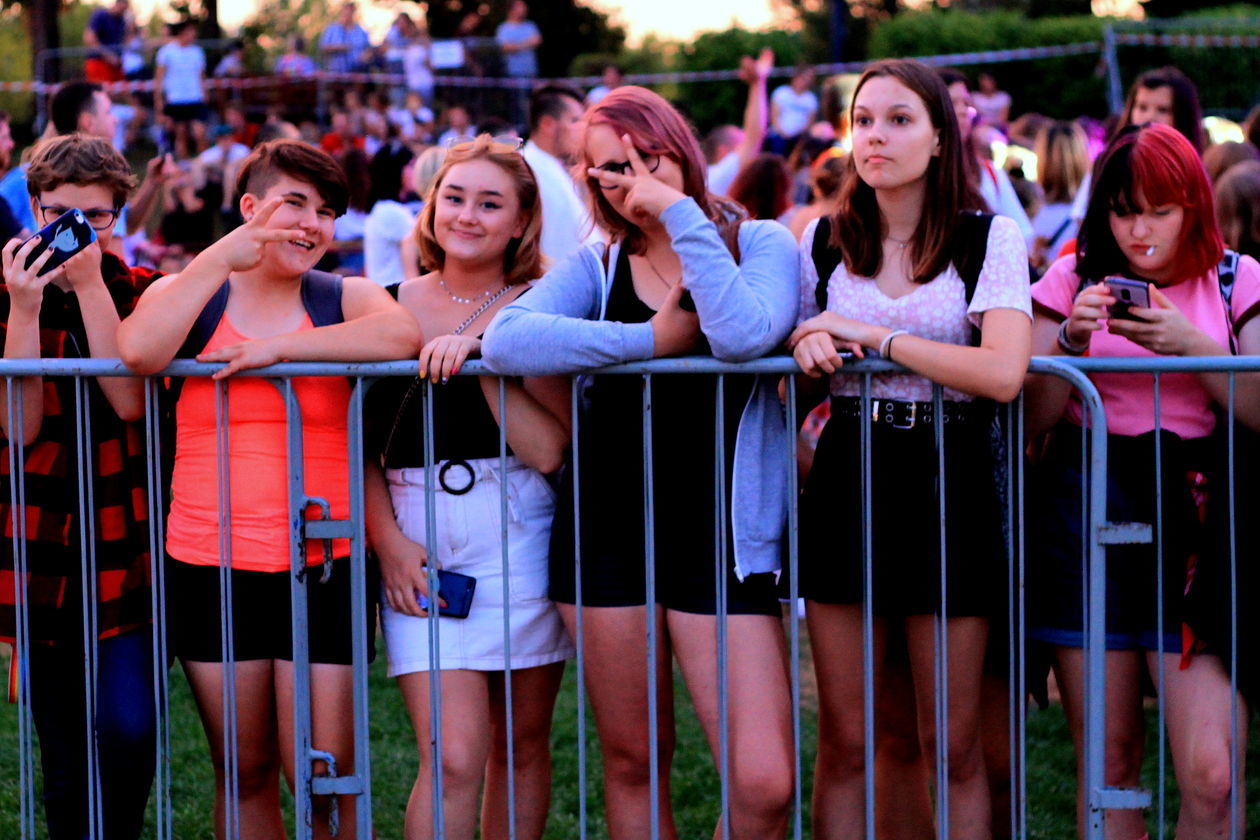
(655, 127)
(523, 259)
(859, 228)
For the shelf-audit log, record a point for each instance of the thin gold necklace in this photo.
(668, 285)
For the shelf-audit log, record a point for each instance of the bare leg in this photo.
(332, 730)
(995, 739)
(967, 796)
(616, 683)
(257, 775)
(903, 789)
(465, 749)
(534, 693)
(1124, 738)
(759, 712)
(835, 634)
(1199, 729)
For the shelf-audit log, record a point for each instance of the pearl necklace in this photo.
(457, 298)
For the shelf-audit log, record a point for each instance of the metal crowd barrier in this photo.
(1100, 533)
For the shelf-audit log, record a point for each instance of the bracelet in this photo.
(1066, 345)
(886, 344)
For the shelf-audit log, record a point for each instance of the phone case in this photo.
(67, 235)
(457, 590)
(1128, 293)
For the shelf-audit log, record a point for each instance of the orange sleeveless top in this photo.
(257, 465)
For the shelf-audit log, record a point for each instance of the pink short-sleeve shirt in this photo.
(1129, 399)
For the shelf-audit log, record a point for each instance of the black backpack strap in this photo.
(971, 244)
(207, 322)
(826, 257)
(321, 297)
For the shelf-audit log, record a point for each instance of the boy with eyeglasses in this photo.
(73, 311)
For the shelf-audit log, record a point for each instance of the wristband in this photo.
(1066, 345)
(886, 344)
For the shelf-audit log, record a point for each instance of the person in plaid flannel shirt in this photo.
(73, 311)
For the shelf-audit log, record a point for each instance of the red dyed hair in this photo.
(656, 127)
(1149, 166)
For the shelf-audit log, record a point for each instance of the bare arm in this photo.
(756, 109)
(159, 75)
(402, 561)
(535, 408)
(995, 369)
(145, 201)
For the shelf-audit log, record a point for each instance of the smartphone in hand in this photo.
(67, 235)
(457, 590)
(1128, 294)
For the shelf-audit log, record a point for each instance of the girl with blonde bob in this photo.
(478, 238)
(673, 246)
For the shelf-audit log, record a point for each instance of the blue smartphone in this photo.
(457, 590)
(67, 235)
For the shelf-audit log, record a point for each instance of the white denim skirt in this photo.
(467, 539)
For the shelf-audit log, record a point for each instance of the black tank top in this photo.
(463, 426)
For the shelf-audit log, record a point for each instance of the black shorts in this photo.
(186, 112)
(906, 522)
(613, 556)
(261, 613)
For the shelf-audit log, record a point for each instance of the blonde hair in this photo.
(523, 259)
(1062, 160)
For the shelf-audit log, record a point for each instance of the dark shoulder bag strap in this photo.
(321, 297)
(826, 257)
(207, 322)
(973, 243)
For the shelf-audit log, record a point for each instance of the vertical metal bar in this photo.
(1160, 676)
(868, 607)
(435, 666)
(1014, 659)
(22, 627)
(231, 769)
(1235, 772)
(942, 628)
(719, 543)
(507, 609)
(1015, 453)
(303, 769)
(1095, 658)
(794, 626)
(358, 616)
(575, 416)
(157, 574)
(87, 545)
(1115, 91)
(649, 556)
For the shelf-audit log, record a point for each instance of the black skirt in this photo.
(906, 556)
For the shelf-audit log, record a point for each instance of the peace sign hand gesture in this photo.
(646, 196)
(243, 248)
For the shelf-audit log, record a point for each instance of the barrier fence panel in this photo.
(322, 780)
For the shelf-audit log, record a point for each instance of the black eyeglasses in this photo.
(651, 161)
(98, 217)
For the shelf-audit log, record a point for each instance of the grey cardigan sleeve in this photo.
(554, 328)
(747, 308)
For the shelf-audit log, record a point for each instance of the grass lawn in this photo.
(1050, 769)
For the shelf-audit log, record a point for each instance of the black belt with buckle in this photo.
(457, 490)
(904, 414)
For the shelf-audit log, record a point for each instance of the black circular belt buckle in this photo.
(457, 491)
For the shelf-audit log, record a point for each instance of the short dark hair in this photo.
(548, 101)
(70, 102)
(77, 158)
(178, 26)
(296, 159)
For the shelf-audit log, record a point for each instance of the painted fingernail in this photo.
(444, 379)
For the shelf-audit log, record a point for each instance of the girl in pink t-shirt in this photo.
(1150, 218)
